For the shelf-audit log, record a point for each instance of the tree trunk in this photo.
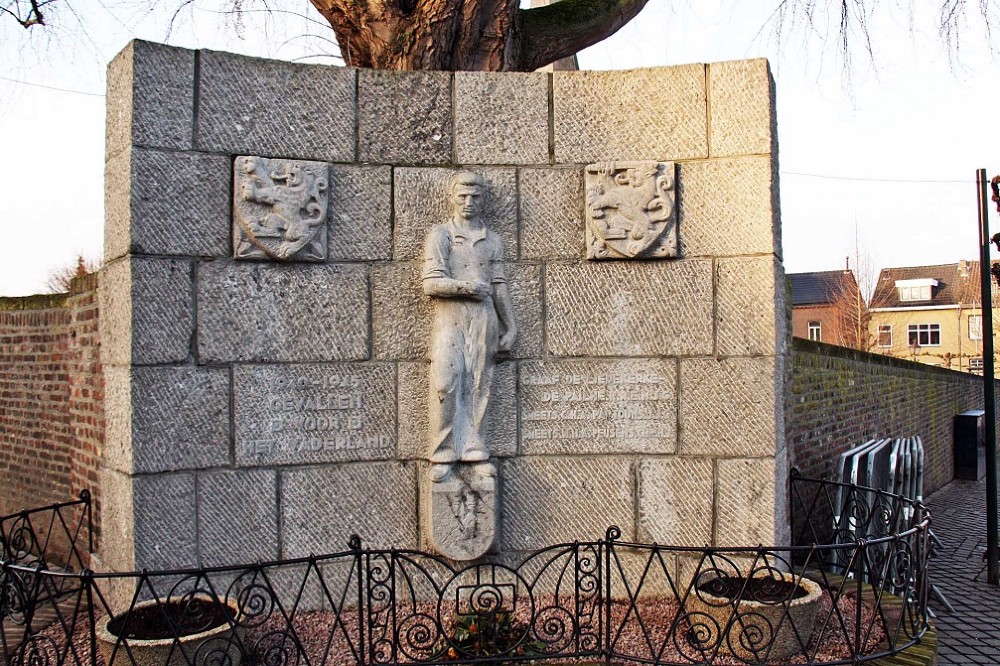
(484, 35)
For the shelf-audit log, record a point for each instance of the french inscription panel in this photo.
(598, 406)
(300, 414)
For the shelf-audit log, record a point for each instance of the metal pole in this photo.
(993, 570)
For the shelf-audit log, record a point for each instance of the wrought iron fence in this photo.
(821, 601)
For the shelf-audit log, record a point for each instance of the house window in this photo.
(976, 327)
(923, 335)
(976, 364)
(815, 331)
(915, 293)
(885, 336)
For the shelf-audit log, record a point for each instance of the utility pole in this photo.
(989, 398)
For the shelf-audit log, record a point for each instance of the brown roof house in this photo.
(827, 306)
(931, 314)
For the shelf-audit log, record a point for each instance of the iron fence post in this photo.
(355, 545)
(88, 585)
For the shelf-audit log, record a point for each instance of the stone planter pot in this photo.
(753, 625)
(204, 628)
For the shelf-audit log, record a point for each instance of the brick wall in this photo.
(842, 397)
(51, 397)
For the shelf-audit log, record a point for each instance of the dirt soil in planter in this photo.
(764, 590)
(163, 620)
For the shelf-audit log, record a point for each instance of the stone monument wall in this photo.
(259, 408)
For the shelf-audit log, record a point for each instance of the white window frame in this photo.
(884, 328)
(916, 290)
(925, 331)
(976, 363)
(815, 331)
(976, 329)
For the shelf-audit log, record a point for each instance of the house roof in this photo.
(957, 284)
(820, 288)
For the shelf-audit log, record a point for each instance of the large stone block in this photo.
(414, 428)
(593, 406)
(551, 213)
(745, 507)
(675, 501)
(147, 311)
(360, 212)
(730, 406)
(167, 203)
(117, 544)
(150, 99)
(404, 117)
(751, 313)
(321, 507)
(525, 284)
(629, 309)
(742, 108)
(304, 414)
(422, 200)
(552, 500)
(117, 450)
(237, 517)
(266, 312)
(644, 114)
(719, 217)
(251, 106)
(501, 118)
(164, 518)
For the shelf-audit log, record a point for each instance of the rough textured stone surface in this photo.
(117, 205)
(742, 107)
(729, 406)
(627, 309)
(459, 512)
(501, 419)
(321, 507)
(404, 117)
(745, 510)
(180, 418)
(117, 544)
(727, 207)
(302, 414)
(578, 407)
(750, 307)
(501, 118)
(552, 500)
(150, 97)
(360, 212)
(164, 514)
(551, 213)
(252, 106)
(147, 311)
(262, 312)
(117, 451)
(525, 284)
(643, 114)
(237, 517)
(422, 200)
(630, 210)
(675, 501)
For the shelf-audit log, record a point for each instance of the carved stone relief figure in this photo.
(630, 210)
(279, 210)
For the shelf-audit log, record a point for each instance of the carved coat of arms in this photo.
(279, 209)
(630, 210)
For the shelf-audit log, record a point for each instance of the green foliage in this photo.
(479, 636)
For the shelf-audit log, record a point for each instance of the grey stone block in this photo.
(729, 406)
(117, 452)
(251, 106)
(164, 514)
(321, 507)
(404, 117)
(553, 500)
(644, 114)
(580, 407)
(742, 107)
(501, 414)
(180, 418)
(745, 509)
(150, 98)
(237, 517)
(360, 212)
(117, 543)
(117, 205)
(524, 281)
(266, 312)
(303, 414)
(422, 200)
(501, 118)
(675, 501)
(727, 207)
(551, 213)
(750, 306)
(629, 309)
(147, 311)
(401, 313)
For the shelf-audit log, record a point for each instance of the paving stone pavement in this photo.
(970, 635)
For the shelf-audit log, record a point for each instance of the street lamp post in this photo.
(985, 270)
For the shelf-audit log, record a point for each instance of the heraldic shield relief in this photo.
(630, 210)
(279, 210)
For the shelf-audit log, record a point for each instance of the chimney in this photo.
(963, 268)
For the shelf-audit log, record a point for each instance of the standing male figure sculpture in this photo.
(463, 273)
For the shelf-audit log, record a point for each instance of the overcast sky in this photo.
(887, 158)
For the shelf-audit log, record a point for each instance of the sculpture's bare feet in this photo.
(475, 453)
(440, 472)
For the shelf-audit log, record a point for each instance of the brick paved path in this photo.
(971, 635)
